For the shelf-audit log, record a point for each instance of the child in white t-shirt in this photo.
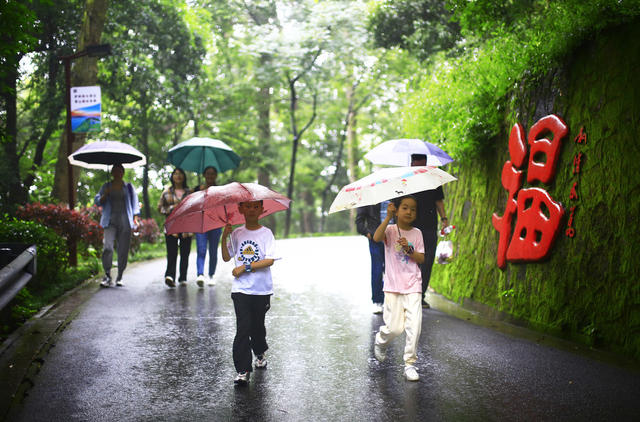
(252, 247)
(403, 254)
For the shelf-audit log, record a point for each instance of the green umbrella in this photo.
(197, 154)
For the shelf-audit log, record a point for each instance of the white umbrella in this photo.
(389, 183)
(397, 152)
(102, 155)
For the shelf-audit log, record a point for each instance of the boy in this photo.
(403, 254)
(253, 248)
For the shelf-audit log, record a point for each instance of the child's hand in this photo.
(237, 271)
(391, 210)
(227, 229)
(408, 249)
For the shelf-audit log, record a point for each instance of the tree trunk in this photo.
(352, 146)
(293, 104)
(13, 193)
(144, 143)
(53, 113)
(85, 73)
(264, 140)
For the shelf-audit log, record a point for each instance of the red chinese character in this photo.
(571, 232)
(512, 182)
(576, 162)
(539, 168)
(581, 138)
(517, 146)
(534, 232)
(573, 195)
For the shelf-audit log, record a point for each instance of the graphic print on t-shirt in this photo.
(402, 256)
(249, 252)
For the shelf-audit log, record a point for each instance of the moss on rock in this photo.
(588, 287)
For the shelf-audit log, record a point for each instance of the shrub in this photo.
(148, 232)
(52, 254)
(70, 224)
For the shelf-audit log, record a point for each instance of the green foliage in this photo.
(423, 27)
(51, 249)
(70, 224)
(459, 101)
(31, 299)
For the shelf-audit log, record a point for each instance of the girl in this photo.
(403, 254)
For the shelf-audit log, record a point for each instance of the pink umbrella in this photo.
(217, 206)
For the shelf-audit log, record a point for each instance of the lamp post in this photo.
(100, 50)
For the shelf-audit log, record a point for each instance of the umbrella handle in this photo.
(226, 217)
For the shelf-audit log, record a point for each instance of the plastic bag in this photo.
(444, 251)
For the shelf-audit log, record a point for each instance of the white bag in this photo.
(444, 251)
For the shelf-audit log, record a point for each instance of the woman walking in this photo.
(170, 198)
(120, 214)
(210, 238)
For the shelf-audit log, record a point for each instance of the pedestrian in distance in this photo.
(403, 253)
(430, 205)
(171, 198)
(210, 238)
(120, 215)
(367, 221)
(252, 248)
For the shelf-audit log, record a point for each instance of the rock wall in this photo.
(588, 288)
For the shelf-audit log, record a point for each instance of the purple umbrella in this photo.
(397, 152)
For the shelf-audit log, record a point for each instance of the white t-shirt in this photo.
(401, 273)
(247, 246)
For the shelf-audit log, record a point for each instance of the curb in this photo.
(485, 316)
(23, 353)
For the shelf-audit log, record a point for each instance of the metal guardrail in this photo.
(17, 267)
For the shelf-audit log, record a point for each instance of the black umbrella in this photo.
(103, 154)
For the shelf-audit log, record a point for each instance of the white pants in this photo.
(402, 312)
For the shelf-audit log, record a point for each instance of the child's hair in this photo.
(398, 201)
(260, 200)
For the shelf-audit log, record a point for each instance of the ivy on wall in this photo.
(588, 288)
(463, 93)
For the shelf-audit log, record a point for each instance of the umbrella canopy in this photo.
(103, 154)
(216, 207)
(397, 152)
(389, 183)
(197, 154)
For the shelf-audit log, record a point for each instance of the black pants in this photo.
(173, 243)
(430, 238)
(250, 330)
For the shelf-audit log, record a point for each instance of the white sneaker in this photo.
(379, 352)
(106, 281)
(168, 280)
(261, 361)
(242, 378)
(200, 280)
(377, 308)
(119, 283)
(211, 281)
(410, 373)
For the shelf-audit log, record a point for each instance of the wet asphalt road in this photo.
(147, 353)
